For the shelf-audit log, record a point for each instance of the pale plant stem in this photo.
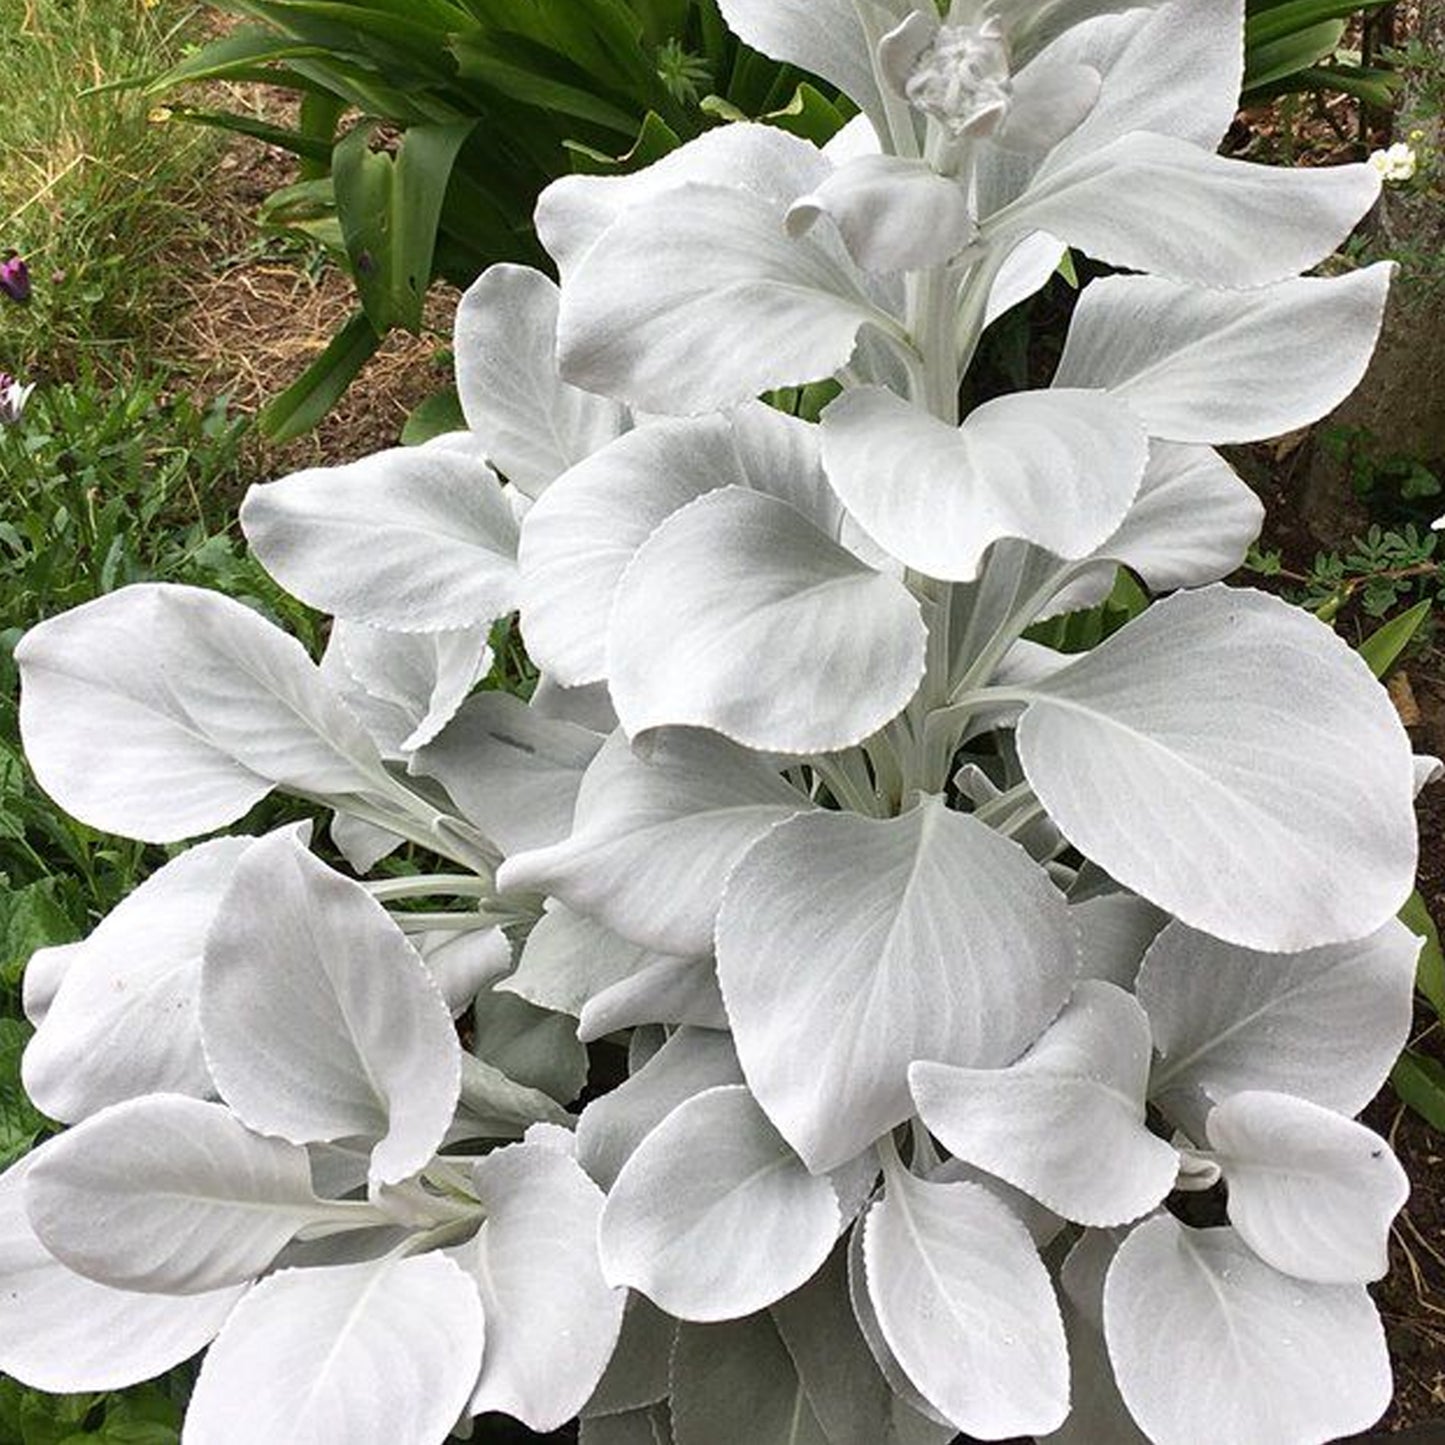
(902, 137)
(1013, 825)
(454, 885)
(846, 787)
(450, 922)
(1003, 806)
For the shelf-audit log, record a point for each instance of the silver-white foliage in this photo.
(853, 874)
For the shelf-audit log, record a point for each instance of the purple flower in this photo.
(15, 278)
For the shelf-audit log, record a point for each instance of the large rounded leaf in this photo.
(714, 1216)
(849, 947)
(653, 837)
(1199, 1329)
(531, 424)
(99, 1042)
(552, 1320)
(966, 1306)
(383, 1353)
(698, 299)
(172, 1195)
(1310, 1192)
(1215, 366)
(1044, 1123)
(1230, 759)
(1058, 468)
(579, 538)
(63, 1333)
(320, 1020)
(740, 616)
(160, 712)
(413, 539)
(1325, 1025)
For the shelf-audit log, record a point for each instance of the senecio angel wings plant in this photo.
(987, 1024)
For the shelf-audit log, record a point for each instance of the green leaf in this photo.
(1279, 21)
(389, 207)
(31, 917)
(1383, 647)
(246, 47)
(321, 385)
(809, 114)
(436, 415)
(1430, 971)
(1420, 1082)
(654, 140)
(304, 146)
(1290, 54)
(20, 1120)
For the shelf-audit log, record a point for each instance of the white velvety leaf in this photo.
(1199, 1329)
(464, 963)
(844, 1387)
(172, 1195)
(1030, 264)
(588, 707)
(1326, 1025)
(406, 686)
(1192, 522)
(579, 538)
(1229, 758)
(380, 1353)
(738, 615)
(669, 991)
(1172, 69)
(1310, 1192)
(319, 1019)
(531, 424)
(1097, 1411)
(1045, 1123)
(45, 971)
(637, 1374)
(653, 837)
(628, 1427)
(893, 214)
(64, 1333)
(1042, 1224)
(1059, 468)
(872, 1332)
(512, 773)
(363, 844)
(698, 299)
(569, 959)
(1248, 225)
(531, 1045)
(494, 1106)
(1115, 932)
(123, 1021)
(827, 37)
(714, 1216)
(574, 211)
(410, 539)
(552, 1320)
(725, 1373)
(613, 1125)
(1428, 770)
(966, 1306)
(160, 712)
(1225, 366)
(848, 947)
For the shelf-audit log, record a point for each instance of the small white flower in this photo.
(962, 79)
(1396, 164)
(1438, 525)
(13, 397)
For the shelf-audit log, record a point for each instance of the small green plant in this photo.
(1382, 571)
